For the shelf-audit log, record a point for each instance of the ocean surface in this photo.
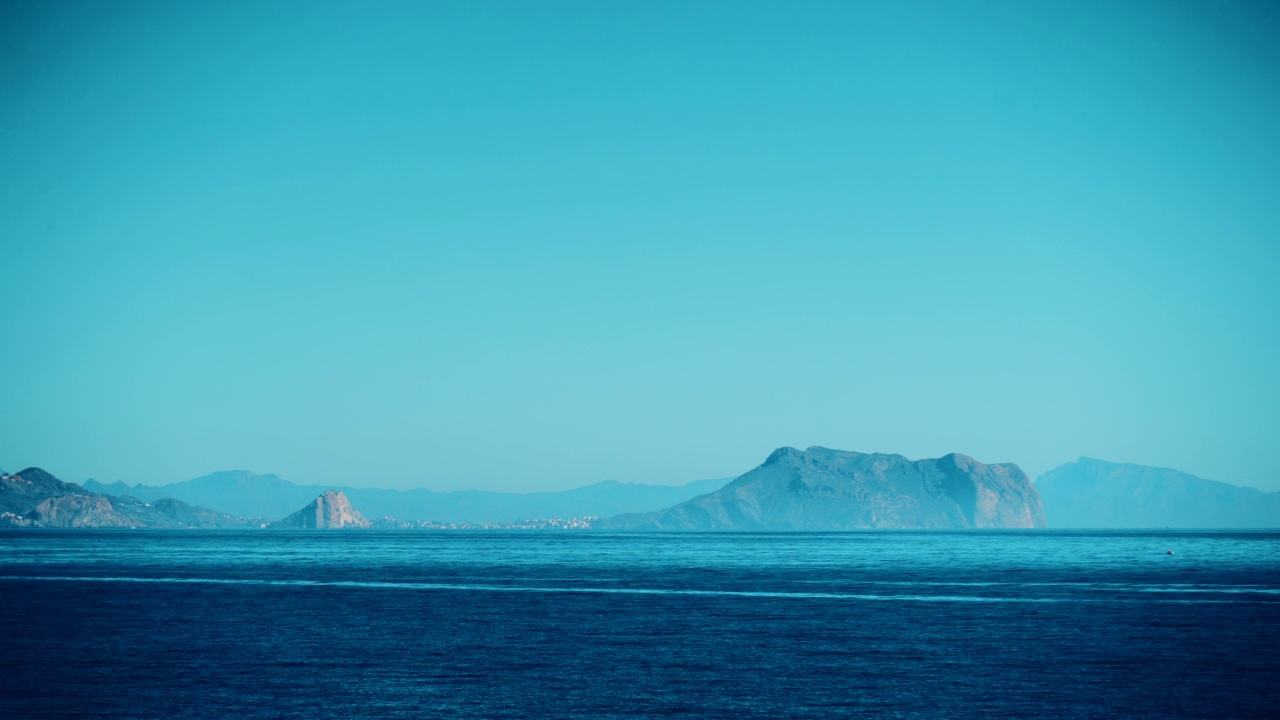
(151, 624)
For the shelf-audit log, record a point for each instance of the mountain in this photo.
(1092, 493)
(237, 492)
(330, 511)
(823, 489)
(34, 498)
(21, 492)
(145, 493)
(240, 492)
(181, 515)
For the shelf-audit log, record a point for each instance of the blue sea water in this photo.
(592, 625)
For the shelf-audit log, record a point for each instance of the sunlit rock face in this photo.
(824, 489)
(78, 511)
(331, 510)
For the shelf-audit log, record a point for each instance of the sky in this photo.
(530, 246)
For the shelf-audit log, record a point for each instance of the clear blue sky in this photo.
(535, 245)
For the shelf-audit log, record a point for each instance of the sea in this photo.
(468, 624)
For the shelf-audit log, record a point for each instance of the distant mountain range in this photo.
(813, 489)
(240, 492)
(34, 498)
(824, 489)
(1092, 493)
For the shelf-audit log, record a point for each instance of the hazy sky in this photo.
(536, 245)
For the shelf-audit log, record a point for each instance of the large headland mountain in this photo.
(823, 489)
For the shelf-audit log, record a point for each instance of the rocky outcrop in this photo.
(824, 489)
(78, 511)
(1091, 493)
(330, 511)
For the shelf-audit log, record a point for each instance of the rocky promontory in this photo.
(331, 510)
(824, 489)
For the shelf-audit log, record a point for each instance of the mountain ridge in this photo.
(1103, 494)
(240, 493)
(35, 498)
(1093, 493)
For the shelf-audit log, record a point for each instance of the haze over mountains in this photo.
(1091, 493)
(241, 492)
(813, 489)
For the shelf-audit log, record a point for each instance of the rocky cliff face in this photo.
(331, 510)
(823, 489)
(78, 511)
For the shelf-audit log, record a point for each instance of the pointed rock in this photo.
(331, 510)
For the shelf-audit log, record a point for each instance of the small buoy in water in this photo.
(1168, 552)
